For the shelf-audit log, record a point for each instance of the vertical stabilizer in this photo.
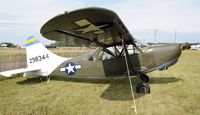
(38, 55)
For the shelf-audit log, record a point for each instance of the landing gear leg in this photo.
(41, 78)
(48, 79)
(143, 77)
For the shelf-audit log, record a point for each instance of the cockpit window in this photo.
(115, 51)
(104, 55)
(132, 50)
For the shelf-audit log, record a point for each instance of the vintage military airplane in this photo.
(113, 58)
(195, 47)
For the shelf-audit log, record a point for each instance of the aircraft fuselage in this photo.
(91, 65)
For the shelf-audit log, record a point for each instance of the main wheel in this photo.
(143, 88)
(144, 77)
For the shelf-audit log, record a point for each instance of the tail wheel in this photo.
(144, 77)
(143, 88)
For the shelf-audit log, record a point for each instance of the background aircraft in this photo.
(112, 58)
(195, 47)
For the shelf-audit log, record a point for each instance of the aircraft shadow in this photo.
(119, 88)
(31, 81)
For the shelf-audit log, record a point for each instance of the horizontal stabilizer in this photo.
(18, 71)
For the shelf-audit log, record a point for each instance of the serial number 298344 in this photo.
(38, 58)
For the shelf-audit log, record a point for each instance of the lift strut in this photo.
(129, 64)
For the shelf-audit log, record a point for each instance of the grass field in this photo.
(173, 92)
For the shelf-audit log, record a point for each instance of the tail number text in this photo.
(38, 58)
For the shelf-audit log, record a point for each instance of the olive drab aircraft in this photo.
(117, 54)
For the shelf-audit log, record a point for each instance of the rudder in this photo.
(38, 55)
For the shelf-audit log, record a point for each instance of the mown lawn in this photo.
(173, 92)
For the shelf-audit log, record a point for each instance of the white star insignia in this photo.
(70, 68)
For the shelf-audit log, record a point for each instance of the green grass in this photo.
(6, 51)
(173, 92)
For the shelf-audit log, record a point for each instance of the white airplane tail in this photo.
(40, 61)
(38, 55)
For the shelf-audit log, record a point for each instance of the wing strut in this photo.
(128, 62)
(125, 31)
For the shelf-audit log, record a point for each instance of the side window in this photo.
(132, 50)
(104, 56)
(100, 55)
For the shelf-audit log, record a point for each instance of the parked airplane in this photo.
(195, 47)
(105, 29)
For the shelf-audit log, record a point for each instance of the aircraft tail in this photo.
(40, 61)
(38, 55)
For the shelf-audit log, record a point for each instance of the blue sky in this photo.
(22, 18)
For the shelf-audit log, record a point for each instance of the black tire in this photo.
(144, 77)
(143, 88)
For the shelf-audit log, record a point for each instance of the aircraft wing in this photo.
(85, 26)
(18, 71)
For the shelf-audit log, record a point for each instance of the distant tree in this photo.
(71, 43)
(187, 45)
(8, 44)
(150, 43)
